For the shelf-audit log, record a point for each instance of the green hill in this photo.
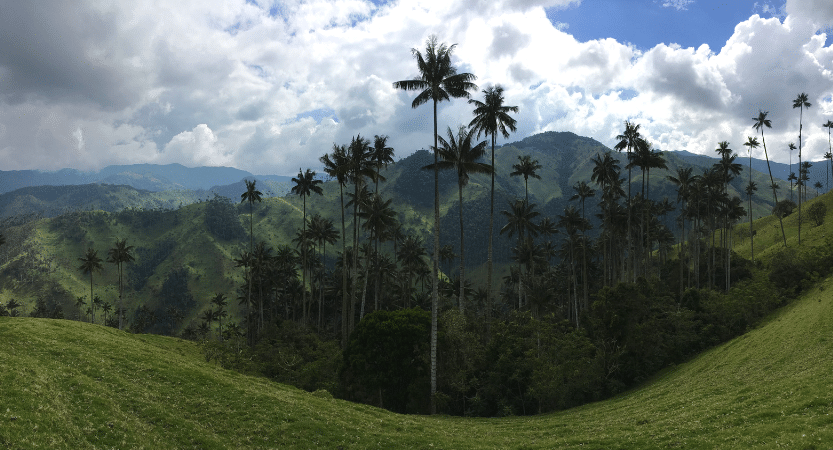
(74, 385)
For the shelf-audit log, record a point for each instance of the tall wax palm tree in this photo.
(605, 173)
(438, 80)
(762, 122)
(683, 180)
(360, 168)
(519, 219)
(458, 154)
(251, 195)
(220, 301)
(305, 185)
(829, 154)
(583, 191)
(572, 223)
(801, 102)
(792, 176)
(491, 117)
(629, 140)
(380, 156)
(411, 256)
(338, 168)
(90, 263)
(751, 143)
(378, 217)
(324, 232)
(118, 255)
(526, 167)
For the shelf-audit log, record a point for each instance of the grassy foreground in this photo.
(74, 385)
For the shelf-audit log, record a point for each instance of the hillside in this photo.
(40, 259)
(75, 385)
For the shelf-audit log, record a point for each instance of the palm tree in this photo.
(818, 187)
(605, 173)
(411, 256)
(338, 167)
(800, 102)
(305, 185)
(458, 154)
(251, 195)
(323, 231)
(629, 140)
(684, 182)
(380, 156)
(583, 191)
(118, 255)
(762, 122)
(90, 263)
(359, 168)
(526, 167)
(751, 143)
(792, 176)
(220, 301)
(438, 81)
(106, 307)
(829, 154)
(79, 303)
(519, 219)
(378, 218)
(491, 117)
(571, 222)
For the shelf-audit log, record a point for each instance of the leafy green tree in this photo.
(817, 212)
(459, 155)
(305, 185)
(629, 140)
(119, 254)
(491, 117)
(438, 80)
(801, 102)
(90, 263)
(387, 356)
(762, 122)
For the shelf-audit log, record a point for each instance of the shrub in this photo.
(817, 212)
(784, 208)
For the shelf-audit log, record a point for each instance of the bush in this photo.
(817, 212)
(784, 208)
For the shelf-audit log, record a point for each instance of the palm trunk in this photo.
(435, 286)
(491, 233)
(304, 306)
(344, 305)
(772, 185)
(462, 251)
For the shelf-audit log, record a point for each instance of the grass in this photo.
(76, 385)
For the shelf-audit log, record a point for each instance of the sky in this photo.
(269, 87)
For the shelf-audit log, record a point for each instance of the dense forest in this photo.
(469, 280)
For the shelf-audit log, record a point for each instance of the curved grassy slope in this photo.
(75, 385)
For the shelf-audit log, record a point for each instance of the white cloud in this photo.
(228, 83)
(679, 5)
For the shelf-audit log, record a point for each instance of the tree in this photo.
(220, 301)
(519, 219)
(90, 263)
(800, 102)
(605, 173)
(762, 122)
(491, 117)
(324, 232)
(378, 217)
(751, 143)
(438, 81)
(526, 167)
(459, 155)
(305, 185)
(829, 154)
(583, 191)
(629, 140)
(251, 195)
(118, 255)
(380, 157)
(338, 167)
(792, 176)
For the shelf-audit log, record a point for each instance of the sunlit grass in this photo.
(69, 384)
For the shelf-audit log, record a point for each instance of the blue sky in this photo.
(268, 86)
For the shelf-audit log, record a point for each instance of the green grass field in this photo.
(74, 385)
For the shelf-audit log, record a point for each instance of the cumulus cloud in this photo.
(217, 82)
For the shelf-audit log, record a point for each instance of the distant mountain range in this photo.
(148, 177)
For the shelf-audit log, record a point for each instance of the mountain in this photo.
(149, 177)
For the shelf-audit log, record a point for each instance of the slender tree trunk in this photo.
(800, 129)
(435, 287)
(344, 304)
(304, 306)
(491, 234)
(462, 251)
(772, 185)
